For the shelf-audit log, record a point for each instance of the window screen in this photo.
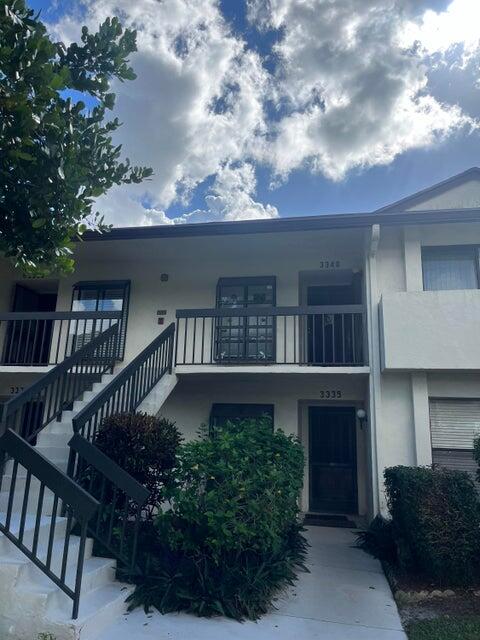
(99, 296)
(450, 268)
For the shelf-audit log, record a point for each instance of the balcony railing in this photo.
(330, 336)
(47, 338)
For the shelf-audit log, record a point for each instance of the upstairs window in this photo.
(111, 295)
(450, 268)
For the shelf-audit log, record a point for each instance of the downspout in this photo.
(374, 382)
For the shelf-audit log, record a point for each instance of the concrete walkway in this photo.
(345, 597)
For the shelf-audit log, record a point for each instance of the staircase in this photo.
(47, 519)
(30, 602)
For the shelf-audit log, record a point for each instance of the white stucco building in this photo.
(311, 320)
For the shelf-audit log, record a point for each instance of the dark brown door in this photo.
(333, 459)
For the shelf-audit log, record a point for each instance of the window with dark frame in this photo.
(450, 267)
(222, 413)
(249, 338)
(101, 295)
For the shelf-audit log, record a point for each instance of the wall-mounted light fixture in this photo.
(362, 417)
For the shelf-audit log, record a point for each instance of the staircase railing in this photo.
(40, 543)
(120, 496)
(121, 499)
(31, 410)
(129, 387)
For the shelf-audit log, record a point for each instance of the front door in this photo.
(333, 459)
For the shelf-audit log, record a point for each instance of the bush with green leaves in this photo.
(144, 446)
(436, 523)
(378, 540)
(232, 537)
(476, 454)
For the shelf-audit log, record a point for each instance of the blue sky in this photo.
(259, 109)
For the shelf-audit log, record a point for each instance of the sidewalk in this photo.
(345, 597)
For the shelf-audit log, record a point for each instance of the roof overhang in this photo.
(277, 225)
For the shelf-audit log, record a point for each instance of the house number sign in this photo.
(330, 394)
(329, 264)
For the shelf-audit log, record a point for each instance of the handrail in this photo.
(228, 312)
(40, 338)
(130, 386)
(121, 499)
(44, 400)
(61, 315)
(78, 505)
(319, 335)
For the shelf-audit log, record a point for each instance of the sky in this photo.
(264, 108)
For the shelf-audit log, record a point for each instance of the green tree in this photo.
(56, 156)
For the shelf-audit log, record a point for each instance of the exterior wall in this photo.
(194, 266)
(190, 404)
(430, 330)
(419, 332)
(462, 196)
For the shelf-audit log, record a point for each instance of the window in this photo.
(99, 296)
(226, 412)
(454, 424)
(245, 338)
(450, 268)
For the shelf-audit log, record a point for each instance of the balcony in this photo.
(43, 339)
(320, 336)
(430, 330)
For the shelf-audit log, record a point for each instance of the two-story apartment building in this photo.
(360, 333)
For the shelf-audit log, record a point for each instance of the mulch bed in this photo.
(420, 599)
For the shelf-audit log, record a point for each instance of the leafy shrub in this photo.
(436, 522)
(146, 447)
(232, 536)
(476, 454)
(378, 540)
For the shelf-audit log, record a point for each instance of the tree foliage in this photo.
(56, 156)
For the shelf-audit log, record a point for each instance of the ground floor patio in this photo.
(345, 596)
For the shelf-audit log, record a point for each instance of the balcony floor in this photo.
(185, 369)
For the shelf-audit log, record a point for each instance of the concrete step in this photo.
(98, 609)
(54, 439)
(29, 530)
(97, 573)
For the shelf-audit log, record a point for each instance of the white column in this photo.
(412, 255)
(421, 419)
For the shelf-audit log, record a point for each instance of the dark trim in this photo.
(59, 483)
(61, 315)
(93, 284)
(304, 223)
(110, 469)
(269, 311)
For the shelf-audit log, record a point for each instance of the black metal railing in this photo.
(37, 487)
(31, 410)
(121, 499)
(45, 338)
(315, 335)
(130, 386)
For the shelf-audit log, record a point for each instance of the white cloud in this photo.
(229, 198)
(350, 89)
(437, 32)
(355, 97)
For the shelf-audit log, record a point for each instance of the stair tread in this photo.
(42, 584)
(93, 602)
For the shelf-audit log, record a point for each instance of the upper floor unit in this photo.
(316, 294)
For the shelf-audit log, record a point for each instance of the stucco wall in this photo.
(191, 401)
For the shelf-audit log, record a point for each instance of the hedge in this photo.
(436, 523)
